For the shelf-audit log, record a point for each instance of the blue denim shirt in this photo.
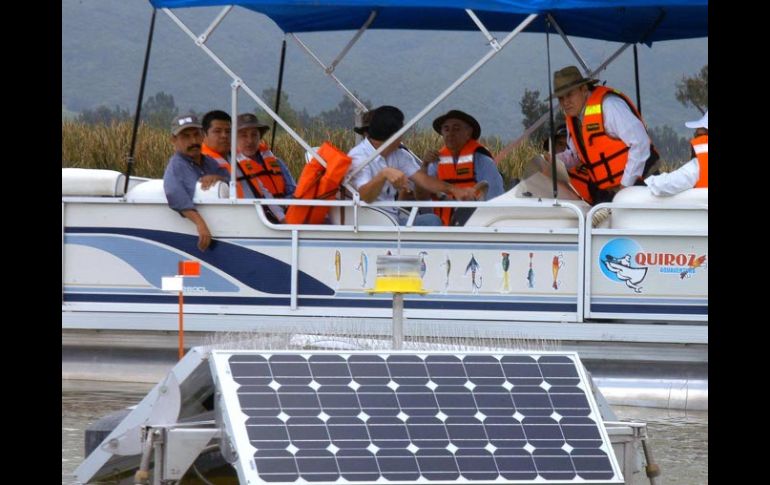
(181, 175)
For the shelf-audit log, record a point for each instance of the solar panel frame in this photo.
(410, 434)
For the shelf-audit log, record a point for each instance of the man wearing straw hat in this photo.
(606, 134)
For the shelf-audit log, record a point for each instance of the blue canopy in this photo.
(631, 21)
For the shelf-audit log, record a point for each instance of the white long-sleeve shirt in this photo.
(683, 178)
(619, 122)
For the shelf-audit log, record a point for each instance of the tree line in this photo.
(158, 111)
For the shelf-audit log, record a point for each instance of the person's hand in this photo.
(209, 180)
(467, 193)
(204, 235)
(430, 156)
(396, 177)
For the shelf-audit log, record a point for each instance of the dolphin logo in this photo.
(625, 272)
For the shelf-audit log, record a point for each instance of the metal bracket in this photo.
(164, 410)
(181, 446)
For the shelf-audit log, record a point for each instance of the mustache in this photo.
(195, 145)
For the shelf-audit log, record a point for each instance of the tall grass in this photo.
(107, 147)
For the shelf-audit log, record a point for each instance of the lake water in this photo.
(679, 440)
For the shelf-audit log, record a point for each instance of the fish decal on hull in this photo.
(363, 267)
(625, 272)
(337, 265)
(506, 262)
(556, 265)
(530, 273)
(474, 267)
(448, 265)
(423, 265)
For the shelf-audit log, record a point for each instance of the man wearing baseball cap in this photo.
(185, 168)
(259, 173)
(694, 173)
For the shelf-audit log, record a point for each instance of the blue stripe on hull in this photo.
(651, 309)
(259, 271)
(325, 302)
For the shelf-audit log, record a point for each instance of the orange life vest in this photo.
(208, 151)
(700, 145)
(461, 174)
(579, 178)
(251, 174)
(317, 182)
(605, 157)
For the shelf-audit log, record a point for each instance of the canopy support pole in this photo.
(233, 137)
(552, 130)
(279, 89)
(135, 130)
(339, 83)
(214, 24)
(352, 42)
(569, 44)
(636, 81)
(492, 41)
(237, 80)
(489, 55)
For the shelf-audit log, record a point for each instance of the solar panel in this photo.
(403, 418)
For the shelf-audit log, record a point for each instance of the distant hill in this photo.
(103, 45)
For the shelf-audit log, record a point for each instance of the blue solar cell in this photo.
(387, 432)
(267, 433)
(415, 401)
(442, 417)
(407, 370)
(446, 370)
(317, 465)
(466, 432)
(368, 369)
(308, 433)
(505, 432)
(427, 433)
(515, 464)
(398, 464)
(251, 370)
(347, 433)
(438, 465)
(532, 401)
(261, 402)
(298, 401)
(338, 401)
(554, 464)
(276, 465)
(477, 464)
(329, 369)
(594, 464)
(358, 465)
(581, 432)
(493, 400)
(455, 400)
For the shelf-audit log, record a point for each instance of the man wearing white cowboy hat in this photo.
(693, 174)
(606, 135)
